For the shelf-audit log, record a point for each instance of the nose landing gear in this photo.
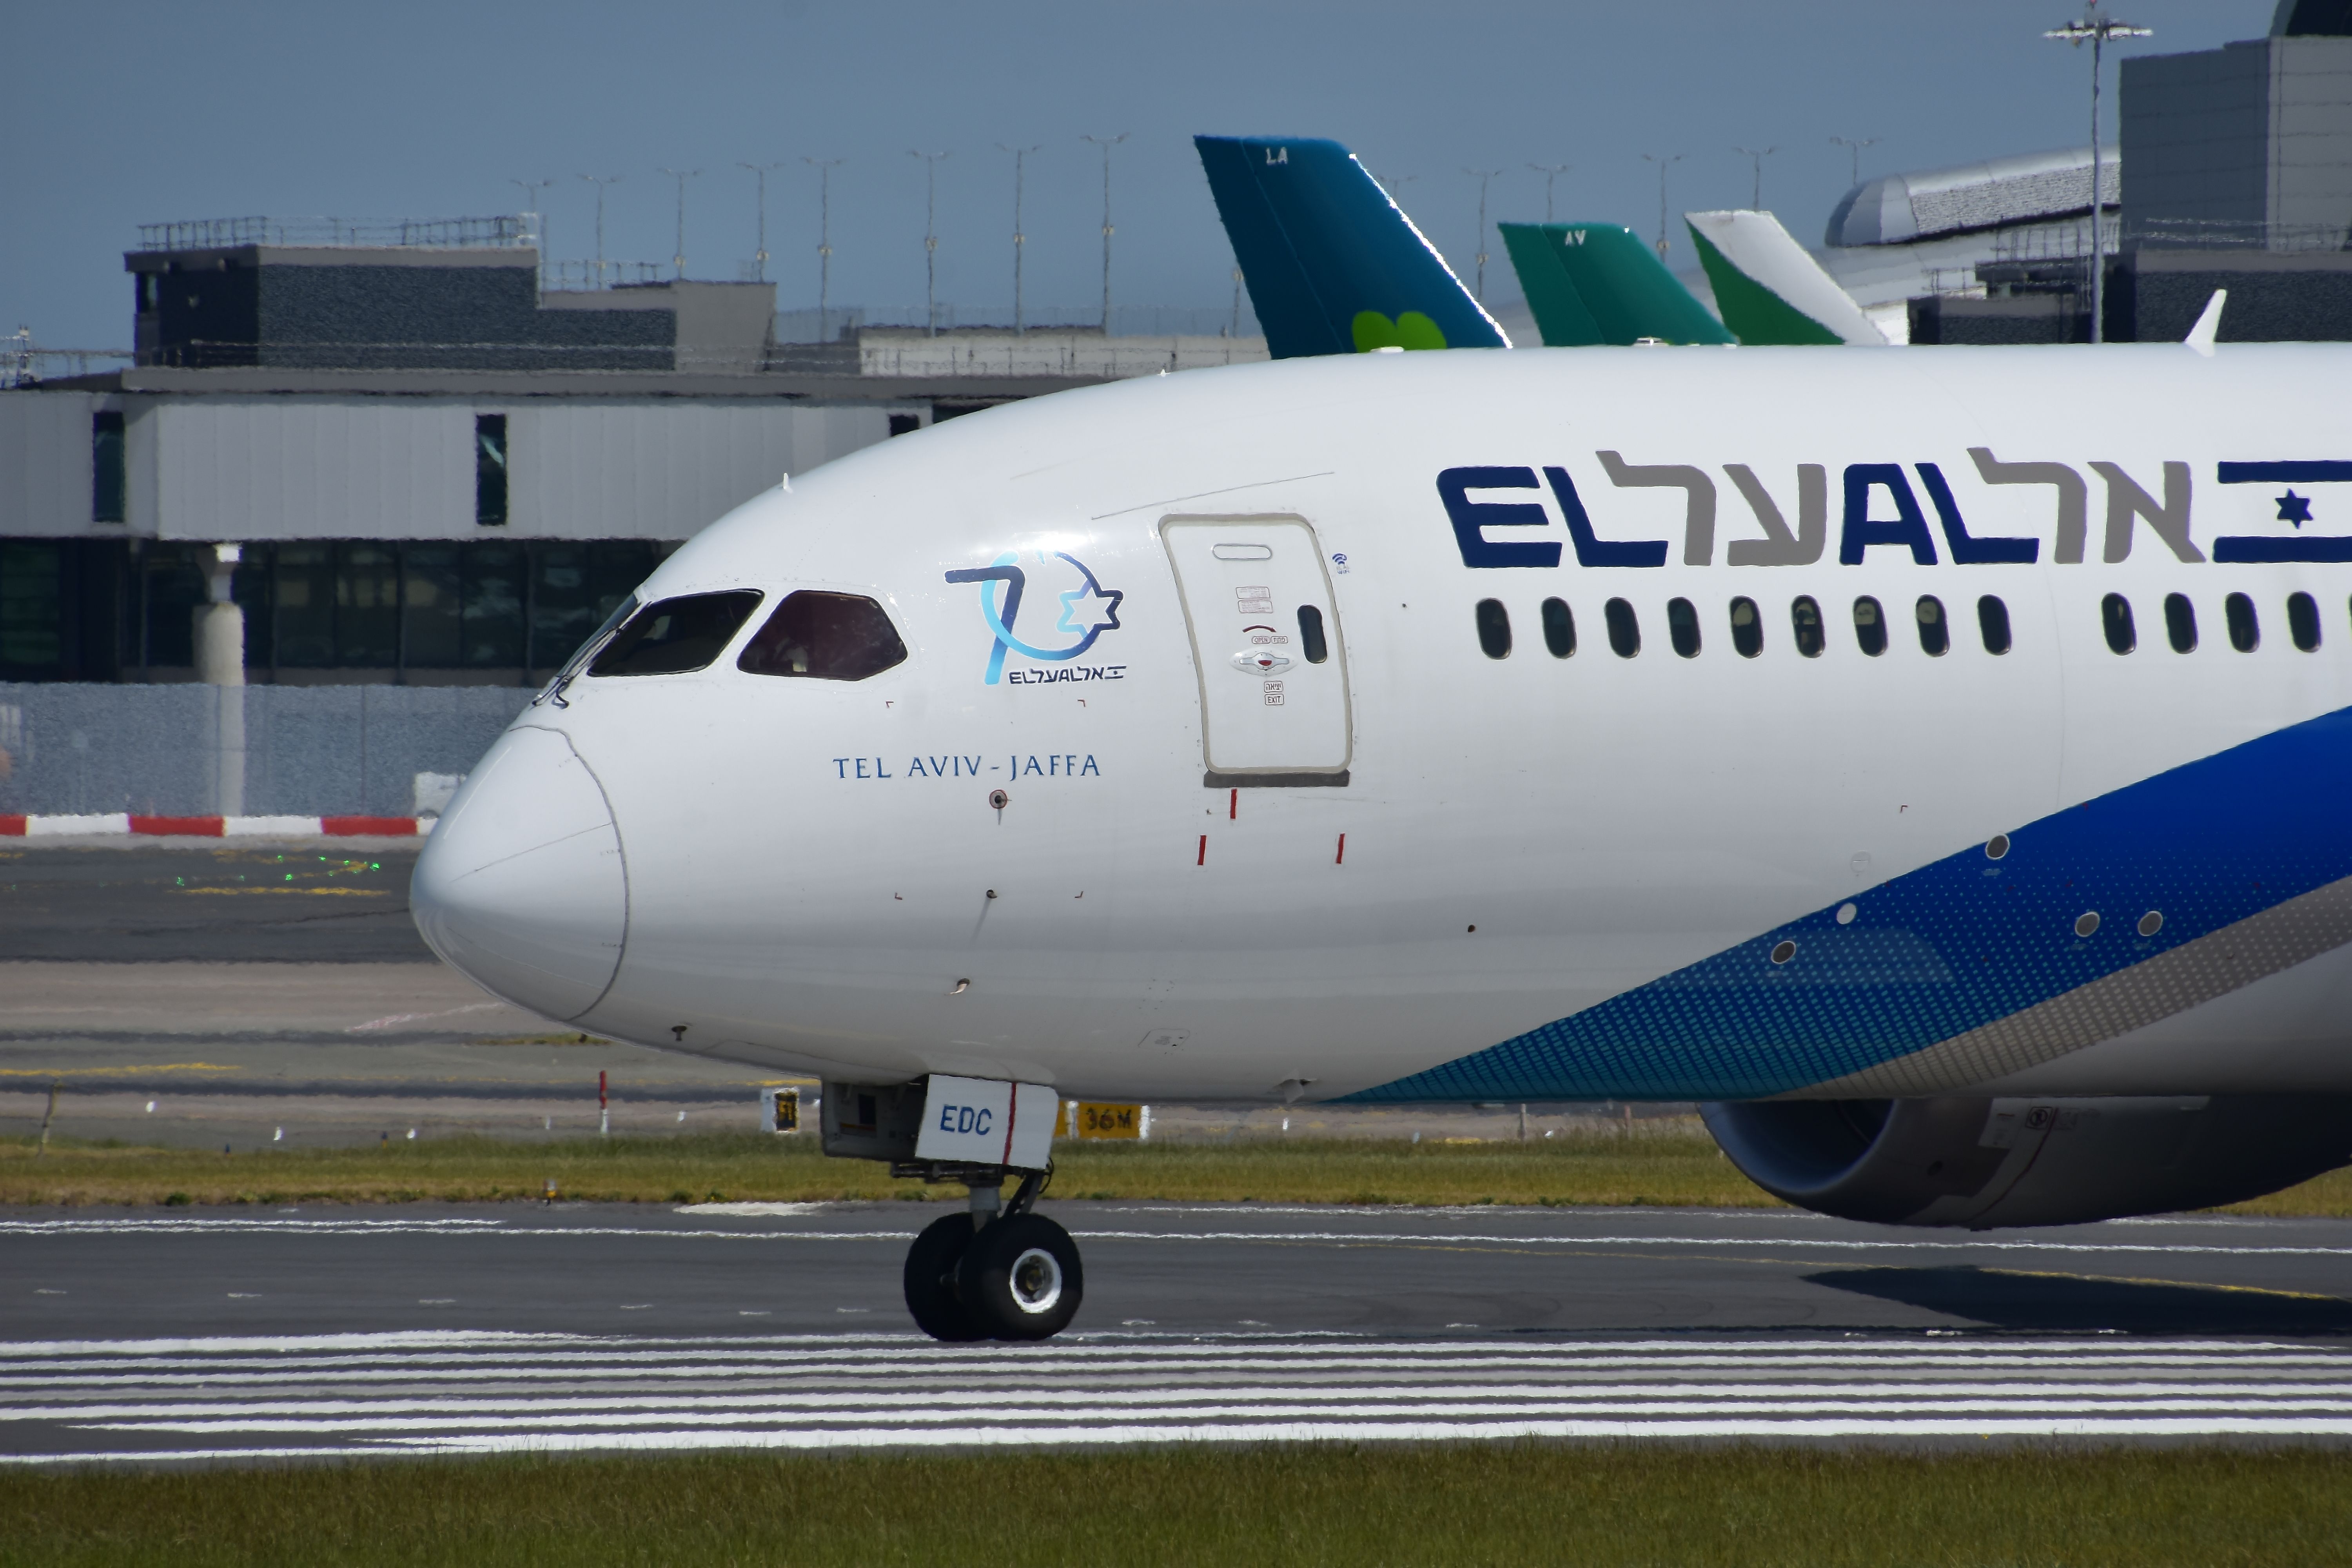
(999, 1271)
(992, 1274)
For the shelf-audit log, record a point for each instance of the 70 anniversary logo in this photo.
(2127, 504)
(1089, 610)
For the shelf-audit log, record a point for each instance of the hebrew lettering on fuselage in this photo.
(1871, 492)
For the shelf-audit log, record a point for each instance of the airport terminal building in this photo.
(2233, 172)
(431, 469)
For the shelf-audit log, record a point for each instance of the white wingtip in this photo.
(2201, 336)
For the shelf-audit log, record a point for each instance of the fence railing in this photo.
(2233, 234)
(810, 326)
(585, 277)
(76, 748)
(438, 233)
(24, 362)
(200, 353)
(1050, 354)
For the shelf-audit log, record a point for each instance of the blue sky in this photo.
(120, 114)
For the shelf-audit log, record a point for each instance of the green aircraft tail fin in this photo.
(1591, 283)
(1769, 289)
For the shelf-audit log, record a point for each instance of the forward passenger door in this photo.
(1265, 642)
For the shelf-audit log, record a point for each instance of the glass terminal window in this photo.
(674, 635)
(825, 637)
(490, 471)
(109, 483)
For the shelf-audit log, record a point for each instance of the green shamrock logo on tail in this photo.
(1411, 330)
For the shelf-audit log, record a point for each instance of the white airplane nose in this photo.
(522, 885)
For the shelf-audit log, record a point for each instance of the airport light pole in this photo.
(1756, 155)
(1663, 162)
(931, 239)
(681, 177)
(1484, 178)
(824, 168)
(1019, 239)
(1551, 171)
(760, 172)
(530, 209)
(1855, 148)
(2096, 30)
(1107, 143)
(600, 181)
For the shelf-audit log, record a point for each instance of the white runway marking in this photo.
(420, 1017)
(252, 1397)
(1962, 1242)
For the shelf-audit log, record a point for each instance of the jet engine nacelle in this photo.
(1983, 1162)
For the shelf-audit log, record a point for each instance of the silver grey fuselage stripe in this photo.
(2187, 976)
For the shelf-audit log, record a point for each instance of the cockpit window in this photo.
(553, 691)
(676, 634)
(825, 637)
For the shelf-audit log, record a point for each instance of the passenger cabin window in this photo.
(2180, 623)
(674, 635)
(1624, 629)
(823, 636)
(1681, 626)
(1934, 630)
(2245, 631)
(1870, 625)
(1311, 641)
(2302, 621)
(1559, 628)
(1747, 628)
(1494, 628)
(2115, 621)
(1992, 624)
(1805, 621)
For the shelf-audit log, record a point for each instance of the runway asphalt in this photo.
(115, 901)
(162, 1335)
(202, 993)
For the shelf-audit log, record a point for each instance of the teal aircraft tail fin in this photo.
(1770, 289)
(1333, 266)
(1591, 283)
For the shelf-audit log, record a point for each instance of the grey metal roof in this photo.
(1896, 209)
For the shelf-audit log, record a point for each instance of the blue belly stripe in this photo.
(1954, 945)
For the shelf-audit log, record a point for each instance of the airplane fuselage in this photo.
(1130, 839)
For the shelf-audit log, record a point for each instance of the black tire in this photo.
(931, 1279)
(1020, 1280)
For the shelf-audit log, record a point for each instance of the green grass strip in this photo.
(1515, 1504)
(1677, 1166)
(1669, 1164)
